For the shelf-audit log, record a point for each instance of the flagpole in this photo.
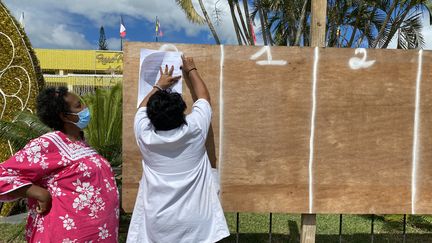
(156, 34)
(122, 32)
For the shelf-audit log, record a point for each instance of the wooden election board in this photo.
(307, 130)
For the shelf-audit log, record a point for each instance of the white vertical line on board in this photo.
(312, 129)
(415, 149)
(221, 109)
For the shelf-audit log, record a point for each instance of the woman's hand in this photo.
(193, 80)
(42, 196)
(166, 79)
(44, 203)
(188, 64)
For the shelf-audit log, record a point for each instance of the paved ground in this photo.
(14, 219)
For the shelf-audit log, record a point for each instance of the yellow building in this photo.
(81, 70)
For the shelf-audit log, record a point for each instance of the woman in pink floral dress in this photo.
(71, 190)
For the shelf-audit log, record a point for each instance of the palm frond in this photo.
(410, 33)
(387, 31)
(191, 13)
(23, 128)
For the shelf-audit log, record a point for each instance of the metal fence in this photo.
(372, 233)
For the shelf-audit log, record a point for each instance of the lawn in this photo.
(286, 228)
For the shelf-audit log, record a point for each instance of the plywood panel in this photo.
(344, 147)
(207, 60)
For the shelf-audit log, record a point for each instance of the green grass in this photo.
(12, 233)
(254, 228)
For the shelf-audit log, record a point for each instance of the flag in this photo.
(122, 29)
(253, 32)
(21, 20)
(158, 29)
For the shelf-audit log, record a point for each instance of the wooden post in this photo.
(308, 228)
(318, 23)
(318, 39)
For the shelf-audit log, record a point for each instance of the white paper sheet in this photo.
(150, 62)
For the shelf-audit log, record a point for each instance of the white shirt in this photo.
(177, 198)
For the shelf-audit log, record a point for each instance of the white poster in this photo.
(150, 62)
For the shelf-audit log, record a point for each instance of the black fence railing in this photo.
(340, 236)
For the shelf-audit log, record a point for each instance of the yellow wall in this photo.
(81, 67)
(85, 60)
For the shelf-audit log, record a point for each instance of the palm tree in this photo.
(406, 24)
(194, 17)
(377, 22)
(350, 23)
(243, 31)
(248, 22)
(287, 20)
(301, 22)
(235, 22)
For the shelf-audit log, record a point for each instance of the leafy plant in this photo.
(104, 132)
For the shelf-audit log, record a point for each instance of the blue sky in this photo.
(74, 24)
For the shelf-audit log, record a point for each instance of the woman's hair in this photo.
(50, 103)
(166, 110)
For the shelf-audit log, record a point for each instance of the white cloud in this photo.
(427, 31)
(48, 28)
(61, 36)
(113, 43)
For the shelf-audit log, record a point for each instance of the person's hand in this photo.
(42, 196)
(166, 79)
(44, 201)
(188, 65)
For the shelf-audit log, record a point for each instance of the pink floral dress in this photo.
(85, 200)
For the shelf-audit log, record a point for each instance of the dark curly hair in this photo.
(166, 110)
(50, 103)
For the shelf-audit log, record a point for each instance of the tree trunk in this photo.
(267, 28)
(234, 19)
(300, 28)
(209, 23)
(305, 33)
(245, 29)
(248, 20)
(386, 20)
(263, 31)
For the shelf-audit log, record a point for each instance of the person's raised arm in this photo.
(165, 81)
(191, 75)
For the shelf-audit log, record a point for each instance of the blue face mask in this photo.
(84, 118)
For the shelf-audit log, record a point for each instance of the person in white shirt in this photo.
(177, 199)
